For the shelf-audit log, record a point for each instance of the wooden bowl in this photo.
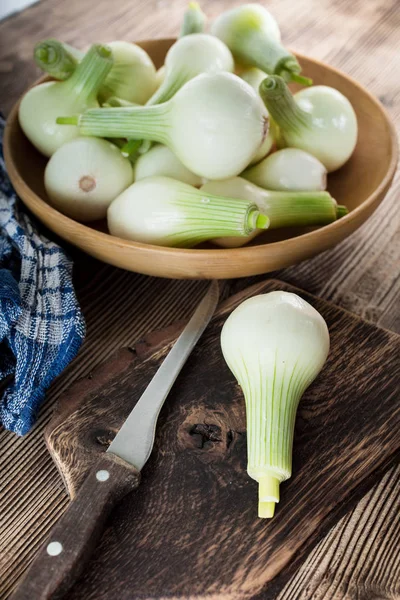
(361, 185)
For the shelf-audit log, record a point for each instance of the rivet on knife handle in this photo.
(116, 473)
(74, 537)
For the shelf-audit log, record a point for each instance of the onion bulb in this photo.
(275, 345)
(166, 212)
(253, 36)
(132, 77)
(84, 176)
(284, 209)
(254, 77)
(319, 120)
(160, 160)
(289, 169)
(194, 20)
(214, 124)
(190, 56)
(42, 104)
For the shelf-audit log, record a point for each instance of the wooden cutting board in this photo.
(191, 529)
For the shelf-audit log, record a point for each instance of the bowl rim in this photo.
(36, 202)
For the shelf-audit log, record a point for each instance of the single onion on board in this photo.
(254, 77)
(190, 56)
(275, 345)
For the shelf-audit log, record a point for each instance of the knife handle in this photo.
(74, 537)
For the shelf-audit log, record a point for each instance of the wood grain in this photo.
(196, 494)
(360, 558)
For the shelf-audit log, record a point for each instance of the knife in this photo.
(115, 474)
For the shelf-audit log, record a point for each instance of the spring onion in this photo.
(57, 59)
(190, 56)
(84, 176)
(319, 120)
(160, 160)
(132, 77)
(42, 104)
(284, 209)
(253, 36)
(194, 20)
(166, 212)
(254, 77)
(289, 169)
(214, 124)
(275, 345)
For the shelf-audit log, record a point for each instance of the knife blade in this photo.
(141, 423)
(116, 473)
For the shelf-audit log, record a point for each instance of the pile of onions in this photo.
(217, 117)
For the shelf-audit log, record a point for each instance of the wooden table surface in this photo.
(360, 557)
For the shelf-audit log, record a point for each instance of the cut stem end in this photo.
(341, 211)
(266, 510)
(268, 489)
(262, 222)
(296, 78)
(67, 120)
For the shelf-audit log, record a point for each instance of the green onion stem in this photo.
(131, 147)
(136, 122)
(115, 102)
(282, 106)
(194, 20)
(57, 59)
(169, 87)
(215, 216)
(91, 72)
(290, 209)
(341, 211)
(268, 55)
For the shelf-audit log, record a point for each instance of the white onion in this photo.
(214, 124)
(319, 120)
(160, 160)
(288, 169)
(284, 208)
(133, 76)
(275, 345)
(166, 212)
(84, 176)
(43, 103)
(190, 56)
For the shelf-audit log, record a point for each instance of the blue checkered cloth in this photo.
(41, 325)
